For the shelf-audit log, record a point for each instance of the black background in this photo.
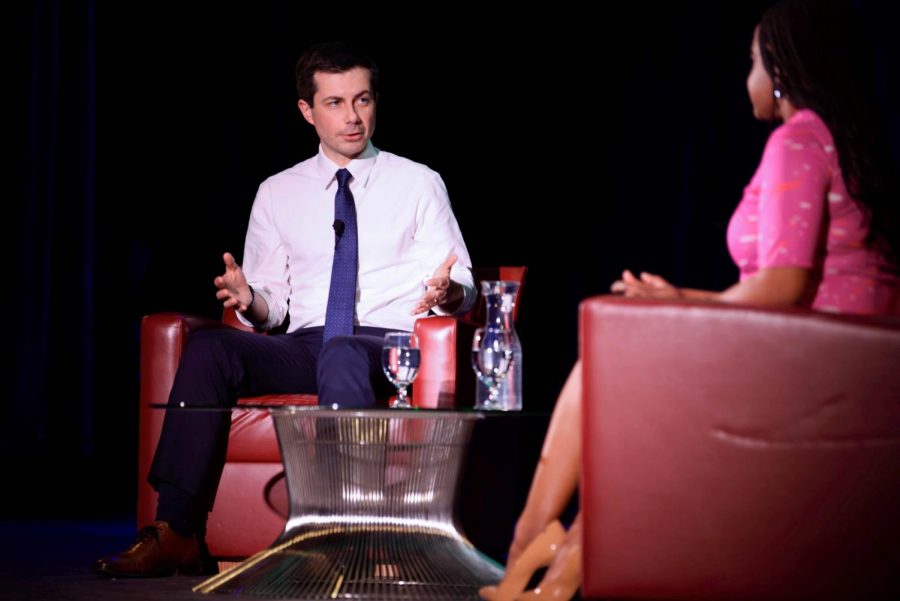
(576, 146)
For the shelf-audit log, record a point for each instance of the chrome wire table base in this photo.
(362, 563)
(371, 511)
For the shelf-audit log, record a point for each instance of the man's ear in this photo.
(306, 111)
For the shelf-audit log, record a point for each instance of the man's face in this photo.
(343, 113)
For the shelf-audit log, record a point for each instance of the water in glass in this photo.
(492, 358)
(400, 360)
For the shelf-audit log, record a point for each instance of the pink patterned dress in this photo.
(796, 212)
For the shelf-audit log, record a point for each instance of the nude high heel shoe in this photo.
(563, 577)
(538, 554)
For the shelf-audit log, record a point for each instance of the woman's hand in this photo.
(647, 286)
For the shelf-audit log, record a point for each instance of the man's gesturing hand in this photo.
(440, 289)
(233, 288)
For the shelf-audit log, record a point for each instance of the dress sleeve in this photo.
(795, 177)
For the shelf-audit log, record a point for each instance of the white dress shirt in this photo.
(406, 230)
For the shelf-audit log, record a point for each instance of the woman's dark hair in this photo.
(816, 54)
(330, 57)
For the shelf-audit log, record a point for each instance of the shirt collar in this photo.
(360, 167)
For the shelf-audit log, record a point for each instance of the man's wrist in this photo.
(252, 298)
(454, 297)
(455, 291)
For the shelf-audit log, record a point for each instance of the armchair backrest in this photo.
(733, 452)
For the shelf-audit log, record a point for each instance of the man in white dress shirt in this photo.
(388, 216)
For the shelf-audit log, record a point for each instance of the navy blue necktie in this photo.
(342, 293)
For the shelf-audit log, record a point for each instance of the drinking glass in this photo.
(400, 361)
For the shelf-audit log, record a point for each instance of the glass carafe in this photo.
(500, 300)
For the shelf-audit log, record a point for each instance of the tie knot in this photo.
(343, 177)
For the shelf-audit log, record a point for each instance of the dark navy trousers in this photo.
(219, 366)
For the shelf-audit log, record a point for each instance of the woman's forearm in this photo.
(778, 286)
(769, 286)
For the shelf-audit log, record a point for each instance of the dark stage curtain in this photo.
(51, 258)
(141, 132)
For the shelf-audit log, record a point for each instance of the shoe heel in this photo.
(565, 580)
(538, 554)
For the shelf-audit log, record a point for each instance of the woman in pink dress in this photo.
(816, 227)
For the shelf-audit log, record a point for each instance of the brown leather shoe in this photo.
(158, 551)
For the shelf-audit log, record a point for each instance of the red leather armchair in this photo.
(733, 452)
(251, 503)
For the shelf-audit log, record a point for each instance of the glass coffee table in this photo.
(371, 496)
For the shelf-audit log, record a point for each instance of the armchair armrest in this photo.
(444, 380)
(163, 336)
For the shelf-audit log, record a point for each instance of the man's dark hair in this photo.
(331, 57)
